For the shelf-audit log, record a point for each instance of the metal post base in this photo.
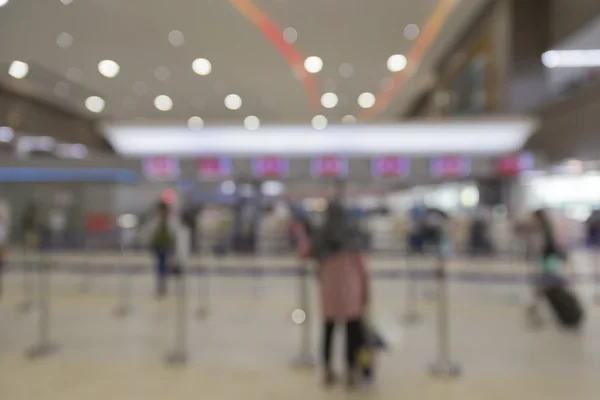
(122, 311)
(25, 306)
(176, 358)
(430, 294)
(517, 299)
(445, 369)
(412, 318)
(202, 313)
(304, 361)
(85, 286)
(41, 350)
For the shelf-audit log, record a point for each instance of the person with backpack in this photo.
(165, 235)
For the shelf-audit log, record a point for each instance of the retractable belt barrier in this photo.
(43, 345)
(305, 358)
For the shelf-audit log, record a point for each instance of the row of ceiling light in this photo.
(203, 67)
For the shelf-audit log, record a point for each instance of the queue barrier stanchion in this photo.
(443, 366)
(28, 285)
(260, 250)
(86, 264)
(43, 346)
(596, 266)
(204, 277)
(304, 358)
(123, 307)
(179, 354)
(412, 315)
(516, 257)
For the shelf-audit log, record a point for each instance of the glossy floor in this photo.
(246, 345)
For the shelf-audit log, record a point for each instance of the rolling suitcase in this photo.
(566, 306)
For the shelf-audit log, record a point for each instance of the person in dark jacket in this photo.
(343, 285)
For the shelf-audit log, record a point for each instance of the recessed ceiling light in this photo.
(74, 75)
(329, 100)
(366, 100)
(396, 63)
(346, 70)
(18, 69)
(233, 101)
(313, 64)
(176, 38)
(3, 3)
(202, 66)
(195, 123)
(290, 35)
(108, 68)
(349, 119)
(319, 122)
(6, 133)
(411, 32)
(140, 88)
(95, 104)
(66, 2)
(251, 123)
(162, 74)
(272, 188)
(61, 89)
(228, 188)
(163, 103)
(64, 40)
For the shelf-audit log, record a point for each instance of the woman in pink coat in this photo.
(343, 286)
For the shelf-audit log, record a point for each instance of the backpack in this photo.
(162, 237)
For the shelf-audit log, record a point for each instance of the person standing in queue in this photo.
(162, 233)
(343, 286)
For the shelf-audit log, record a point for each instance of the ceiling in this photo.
(242, 40)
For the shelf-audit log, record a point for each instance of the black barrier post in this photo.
(204, 276)
(596, 274)
(260, 248)
(305, 358)
(179, 354)
(86, 263)
(514, 260)
(412, 315)
(43, 347)
(443, 367)
(123, 307)
(27, 302)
